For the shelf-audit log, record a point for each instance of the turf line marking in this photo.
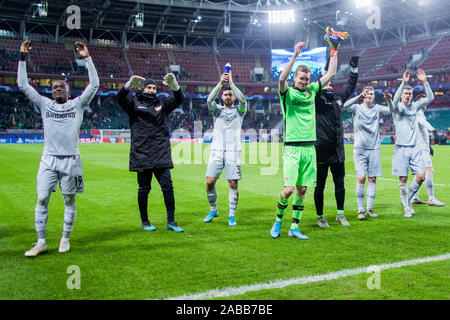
(277, 284)
(395, 180)
(347, 175)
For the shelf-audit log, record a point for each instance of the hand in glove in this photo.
(170, 81)
(135, 82)
(334, 39)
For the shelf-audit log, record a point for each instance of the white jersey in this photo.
(61, 121)
(227, 121)
(424, 127)
(405, 118)
(366, 124)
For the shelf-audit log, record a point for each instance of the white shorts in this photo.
(426, 158)
(406, 158)
(67, 169)
(231, 161)
(367, 162)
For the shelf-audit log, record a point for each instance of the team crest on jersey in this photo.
(158, 108)
(286, 179)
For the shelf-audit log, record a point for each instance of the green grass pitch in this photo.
(119, 260)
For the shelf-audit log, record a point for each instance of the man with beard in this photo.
(330, 143)
(150, 152)
(226, 145)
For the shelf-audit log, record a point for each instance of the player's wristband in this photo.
(23, 56)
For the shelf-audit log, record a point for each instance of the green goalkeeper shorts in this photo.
(299, 166)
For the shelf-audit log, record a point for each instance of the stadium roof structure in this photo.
(183, 22)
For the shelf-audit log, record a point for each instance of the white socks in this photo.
(233, 197)
(429, 185)
(360, 196)
(404, 194)
(70, 212)
(371, 191)
(41, 215)
(413, 188)
(212, 199)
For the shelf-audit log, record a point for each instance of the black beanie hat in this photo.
(148, 81)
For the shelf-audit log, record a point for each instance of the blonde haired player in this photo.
(408, 152)
(366, 149)
(299, 154)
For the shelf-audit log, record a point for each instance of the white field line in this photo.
(348, 175)
(277, 284)
(396, 180)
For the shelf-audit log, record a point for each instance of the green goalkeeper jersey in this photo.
(299, 113)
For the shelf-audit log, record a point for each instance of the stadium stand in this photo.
(9, 54)
(241, 64)
(110, 61)
(374, 58)
(439, 119)
(197, 65)
(439, 56)
(151, 63)
(397, 63)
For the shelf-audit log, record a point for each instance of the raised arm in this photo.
(125, 102)
(94, 82)
(352, 80)
(334, 40)
(22, 77)
(178, 96)
(430, 96)
(398, 93)
(332, 68)
(388, 99)
(349, 103)
(282, 81)
(211, 101)
(242, 107)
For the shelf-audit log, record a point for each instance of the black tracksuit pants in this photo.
(145, 185)
(338, 172)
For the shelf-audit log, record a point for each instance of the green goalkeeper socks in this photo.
(298, 210)
(282, 205)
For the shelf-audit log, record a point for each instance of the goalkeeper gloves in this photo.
(134, 82)
(334, 39)
(171, 82)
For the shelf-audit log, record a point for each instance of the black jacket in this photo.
(330, 134)
(149, 125)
